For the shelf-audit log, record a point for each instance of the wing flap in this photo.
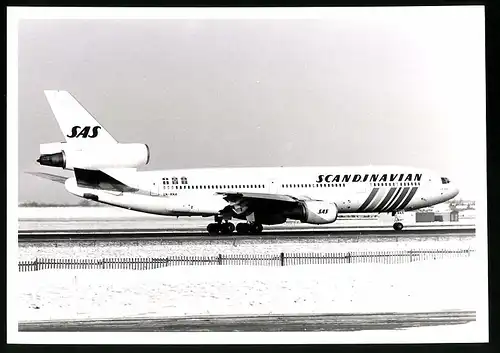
(240, 196)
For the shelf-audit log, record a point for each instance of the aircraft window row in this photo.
(413, 183)
(218, 187)
(312, 185)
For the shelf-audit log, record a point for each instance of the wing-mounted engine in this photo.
(314, 212)
(276, 208)
(94, 156)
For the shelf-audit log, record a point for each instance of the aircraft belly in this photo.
(149, 204)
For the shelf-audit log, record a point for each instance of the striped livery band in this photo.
(383, 200)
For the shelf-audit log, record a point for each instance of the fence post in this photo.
(282, 259)
(36, 264)
(349, 257)
(219, 259)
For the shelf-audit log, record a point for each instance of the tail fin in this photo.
(76, 123)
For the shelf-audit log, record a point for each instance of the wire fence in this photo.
(282, 259)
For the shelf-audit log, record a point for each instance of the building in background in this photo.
(442, 216)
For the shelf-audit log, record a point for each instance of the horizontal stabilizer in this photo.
(53, 177)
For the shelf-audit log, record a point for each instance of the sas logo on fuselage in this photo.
(323, 211)
(78, 131)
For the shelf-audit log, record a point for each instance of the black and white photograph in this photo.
(247, 175)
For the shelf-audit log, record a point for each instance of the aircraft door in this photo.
(155, 188)
(273, 186)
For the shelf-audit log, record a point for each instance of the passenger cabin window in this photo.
(175, 180)
(184, 180)
(445, 181)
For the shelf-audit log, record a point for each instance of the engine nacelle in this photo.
(51, 148)
(120, 155)
(315, 212)
(263, 218)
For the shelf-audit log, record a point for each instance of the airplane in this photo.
(106, 171)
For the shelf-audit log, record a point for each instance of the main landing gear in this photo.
(220, 228)
(227, 228)
(398, 226)
(249, 228)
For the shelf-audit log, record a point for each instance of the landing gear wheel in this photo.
(398, 226)
(243, 228)
(227, 228)
(256, 228)
(214, 229)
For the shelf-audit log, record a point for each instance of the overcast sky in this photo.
(366, 86)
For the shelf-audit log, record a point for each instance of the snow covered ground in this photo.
(212, 290)
(212, 247)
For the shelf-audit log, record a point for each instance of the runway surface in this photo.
(261, 323)
(143, 234)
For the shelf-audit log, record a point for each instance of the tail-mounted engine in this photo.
(120, 155)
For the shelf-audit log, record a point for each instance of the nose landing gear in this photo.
(398, 217)
(398, 226)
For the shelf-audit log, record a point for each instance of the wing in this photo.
(242, 204)
(241, 196)
(57, 178)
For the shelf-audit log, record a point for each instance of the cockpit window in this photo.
(445, 181)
